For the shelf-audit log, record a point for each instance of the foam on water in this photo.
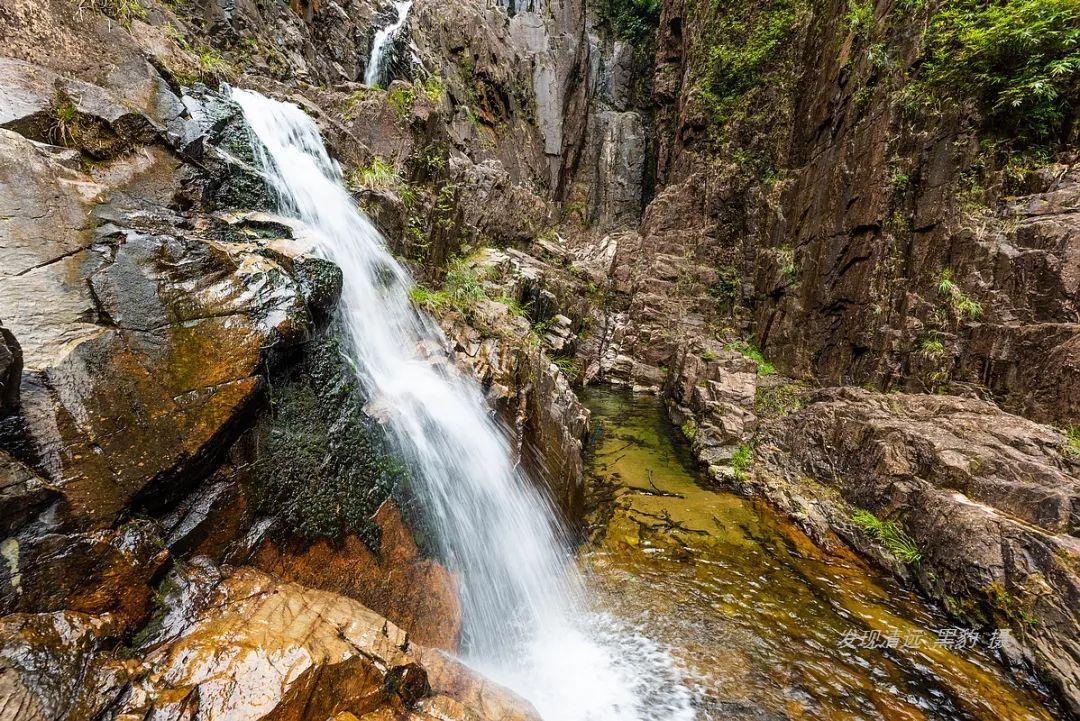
(525, 623)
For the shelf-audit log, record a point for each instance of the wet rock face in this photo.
(146, 361)
(11, 363)
(239, 645)
(55, 666)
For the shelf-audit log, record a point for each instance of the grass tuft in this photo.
(888, 534)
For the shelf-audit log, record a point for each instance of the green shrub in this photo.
(741, 47)
(1019, 59)
(631, 20)
(742, 461)
(888, 534)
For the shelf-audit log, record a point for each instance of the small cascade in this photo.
(526, 621)
(383, 43)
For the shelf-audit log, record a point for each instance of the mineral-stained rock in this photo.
(105, 571)
(414, 592)
(54, 666)
(992, 501)
(149, 347)
(259, 648)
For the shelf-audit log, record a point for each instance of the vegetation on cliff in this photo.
(1019, 60)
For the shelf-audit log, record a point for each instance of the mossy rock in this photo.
(324, 467)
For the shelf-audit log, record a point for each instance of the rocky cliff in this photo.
(747, 207)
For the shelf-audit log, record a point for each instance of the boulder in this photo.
(259, 648)
(991, 500)
(56, 666)
(414, 592)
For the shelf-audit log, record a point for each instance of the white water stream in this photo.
(384, 38)
(525, 621)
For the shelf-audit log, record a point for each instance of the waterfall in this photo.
(525, 621)
(384, 38)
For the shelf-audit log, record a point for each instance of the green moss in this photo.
(889, 534)
(324, 467)
(352, 102)
(778, 400)
(1019, 59)
(747, 350)
(1072, 441)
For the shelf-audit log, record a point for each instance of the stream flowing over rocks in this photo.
(448, 359)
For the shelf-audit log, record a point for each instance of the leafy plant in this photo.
(433, 88)
(860, 17)
(1020, 60)
(742, 461)
(462, 288)
(63, 121)
(932, 347)
(401, 98)
(742, 46)
(689, 429)
(888, 534)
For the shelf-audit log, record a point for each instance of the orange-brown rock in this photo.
(261, 648)
(416, 593)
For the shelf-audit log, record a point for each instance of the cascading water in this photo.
(524, 621)
(384, 38)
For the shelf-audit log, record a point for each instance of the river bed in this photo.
(766, 624)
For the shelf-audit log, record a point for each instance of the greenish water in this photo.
(768, 625)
